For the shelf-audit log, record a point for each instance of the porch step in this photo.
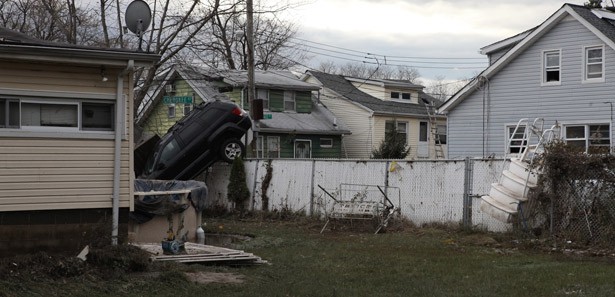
(497, 210)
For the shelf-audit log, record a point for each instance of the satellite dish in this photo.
(138, 16)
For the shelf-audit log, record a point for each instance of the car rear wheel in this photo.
(231, 149)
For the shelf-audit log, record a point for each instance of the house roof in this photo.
(599, 21)
(504, 43)
(270, 79)
(200, 83)
(344, 88)
(205, 82)
(18, 46)
(319, 121)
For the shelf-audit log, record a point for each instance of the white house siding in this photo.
(412, 136)
(515, 92)
(373, 90)
(58, 172)
(357, 119)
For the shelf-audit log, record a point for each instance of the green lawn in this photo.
(412, 262)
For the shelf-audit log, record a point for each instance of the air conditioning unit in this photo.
(170, 88)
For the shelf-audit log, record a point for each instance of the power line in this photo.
(389, 56)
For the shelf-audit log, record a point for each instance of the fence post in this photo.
(312, 189)
(254, 184)
(467, 193)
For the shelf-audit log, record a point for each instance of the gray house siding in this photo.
(494, 56)
(515, 92)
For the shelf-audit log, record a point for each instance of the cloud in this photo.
(441, 28)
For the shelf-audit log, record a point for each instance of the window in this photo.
(551, 67)
(401, 96)
(56, 115)
(289, 101)
(271, 149)
(441, 133)
(423, 131)
(263, 94)
(49, 115)
(9, 113)
(187, 108)
(594, 64)
(259, 146)
(97, 116)
(394, 126)
(592, 138)
(516, 142)
(273, 146)
(171, 111)
(326, 142)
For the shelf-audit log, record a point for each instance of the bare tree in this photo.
(442, 89)
(225, 44)
(180, 31)
(371, 71)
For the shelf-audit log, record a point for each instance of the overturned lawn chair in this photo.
(380, 212)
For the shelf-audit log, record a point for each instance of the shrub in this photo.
(238, 191)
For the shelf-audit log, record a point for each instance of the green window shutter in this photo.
(276, 100)
(303, 101)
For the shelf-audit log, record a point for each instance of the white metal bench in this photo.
(378, 211)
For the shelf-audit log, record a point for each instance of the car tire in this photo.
(231, 149)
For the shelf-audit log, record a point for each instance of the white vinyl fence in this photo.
(430, 191)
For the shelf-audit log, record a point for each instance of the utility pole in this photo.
(250, 42)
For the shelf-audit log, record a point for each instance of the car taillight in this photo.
(238, 111)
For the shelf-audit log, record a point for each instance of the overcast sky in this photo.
(441, 29)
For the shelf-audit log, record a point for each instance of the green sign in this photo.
(267, 116)
(177, 99)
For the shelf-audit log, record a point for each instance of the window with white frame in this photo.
(326, 142)
(260, 146)
(423, 131)
(441, 133)
(594, 64)
(56, 115)
(401, 96)
(551, 62)
(273, 146)
(398, 127)
(269, 149)
(263, 94)
(592, 138)
(289, 101)
(171, 111)
(187, 108)
(515, 139)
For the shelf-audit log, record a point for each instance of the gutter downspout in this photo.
(120, 113)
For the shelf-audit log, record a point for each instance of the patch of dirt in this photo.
(202, 277)
(479, 239)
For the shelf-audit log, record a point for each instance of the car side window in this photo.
(169, 152)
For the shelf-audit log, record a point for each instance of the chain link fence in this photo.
(575, 198)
